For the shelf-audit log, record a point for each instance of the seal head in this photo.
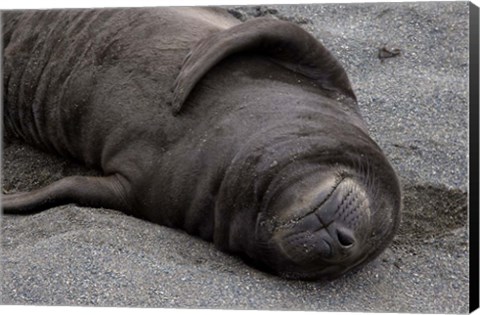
(322, 225)
(328, 209)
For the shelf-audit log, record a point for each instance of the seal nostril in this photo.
(345, 239)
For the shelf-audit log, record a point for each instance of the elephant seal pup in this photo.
(245, 134)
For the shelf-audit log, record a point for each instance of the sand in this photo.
(416, 107)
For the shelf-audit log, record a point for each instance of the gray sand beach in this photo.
(416, 107)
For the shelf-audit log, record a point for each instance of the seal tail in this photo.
(105, 192)
(288, 44)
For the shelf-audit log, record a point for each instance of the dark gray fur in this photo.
(247, 135)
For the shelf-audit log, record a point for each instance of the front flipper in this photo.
(108, 192)
(286, 43)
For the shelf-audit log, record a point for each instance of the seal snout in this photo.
(342, 243)
(334, 230)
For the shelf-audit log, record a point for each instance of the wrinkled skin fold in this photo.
(244, 134)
